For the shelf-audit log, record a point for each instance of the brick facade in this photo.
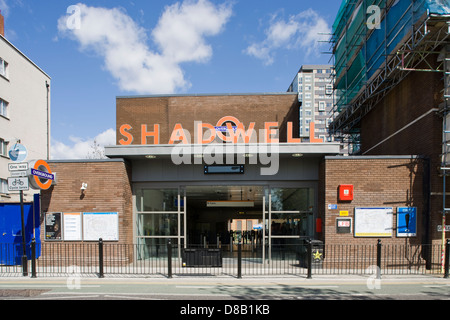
(167, 111)
(378, 182)
(407, 122)
(109, 190)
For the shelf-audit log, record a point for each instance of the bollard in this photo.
(379, 259)
(309, 259)
(447, 258)
(33, 258)
(100, 258)
(239, 275)
(169, 259)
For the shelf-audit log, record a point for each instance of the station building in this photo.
(216, 169)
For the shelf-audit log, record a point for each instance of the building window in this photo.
(329, 89)
(321, 105)
(3, 68)
(307, 78)
(3, 186)
(3, 147)
(3, 108)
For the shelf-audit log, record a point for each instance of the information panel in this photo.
(373, 222)
(406, 222)
(53, 226)
(98, 225)
(72, 226)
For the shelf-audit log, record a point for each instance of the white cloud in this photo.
(82, 148)
(304, 30)
(180, 36)
(181, 30)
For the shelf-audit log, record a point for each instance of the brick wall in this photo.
(167, 111)
(419, 94)
(378, 182)
(109, 190)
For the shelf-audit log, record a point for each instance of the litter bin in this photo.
(316, 254)
(202, 257)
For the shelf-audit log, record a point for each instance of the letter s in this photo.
(124, 131)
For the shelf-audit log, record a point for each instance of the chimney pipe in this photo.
(2, 24)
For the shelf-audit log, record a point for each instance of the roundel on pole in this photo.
(41, 176)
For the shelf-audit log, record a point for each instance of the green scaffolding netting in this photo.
(362, 45)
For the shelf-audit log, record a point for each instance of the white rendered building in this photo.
(24, 111)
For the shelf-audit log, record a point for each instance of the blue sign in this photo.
(42, 174)
(18, 153)
(406, 222)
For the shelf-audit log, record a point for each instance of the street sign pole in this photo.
(24, 251)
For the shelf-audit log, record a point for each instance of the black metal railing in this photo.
(306, 259)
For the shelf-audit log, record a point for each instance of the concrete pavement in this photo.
(227, 288)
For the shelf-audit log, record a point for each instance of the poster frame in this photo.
(399, 220)
(86, 226)
(389, 215)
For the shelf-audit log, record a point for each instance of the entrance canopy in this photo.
(136, 152)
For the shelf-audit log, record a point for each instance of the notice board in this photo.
(103, 225)
(72, 226)
(373, 222)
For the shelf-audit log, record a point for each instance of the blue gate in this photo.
(11, 231)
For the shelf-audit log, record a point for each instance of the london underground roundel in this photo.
(41, 175)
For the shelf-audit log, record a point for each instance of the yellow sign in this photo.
(343, 213)
(317, 255)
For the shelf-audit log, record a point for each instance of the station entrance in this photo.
(262, 218)
(221, 216)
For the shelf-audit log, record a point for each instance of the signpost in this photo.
(18, 184)
(18, 153)
(12, 167)
(36, 174)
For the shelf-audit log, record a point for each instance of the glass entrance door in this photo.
(220, 216)
(272, 220)
(160, 217)
(288, 215)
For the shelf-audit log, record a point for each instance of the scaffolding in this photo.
(377, 44)
(369, 62)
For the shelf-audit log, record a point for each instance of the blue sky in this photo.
(97, 50)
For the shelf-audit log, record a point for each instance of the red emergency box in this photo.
(346, 192)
